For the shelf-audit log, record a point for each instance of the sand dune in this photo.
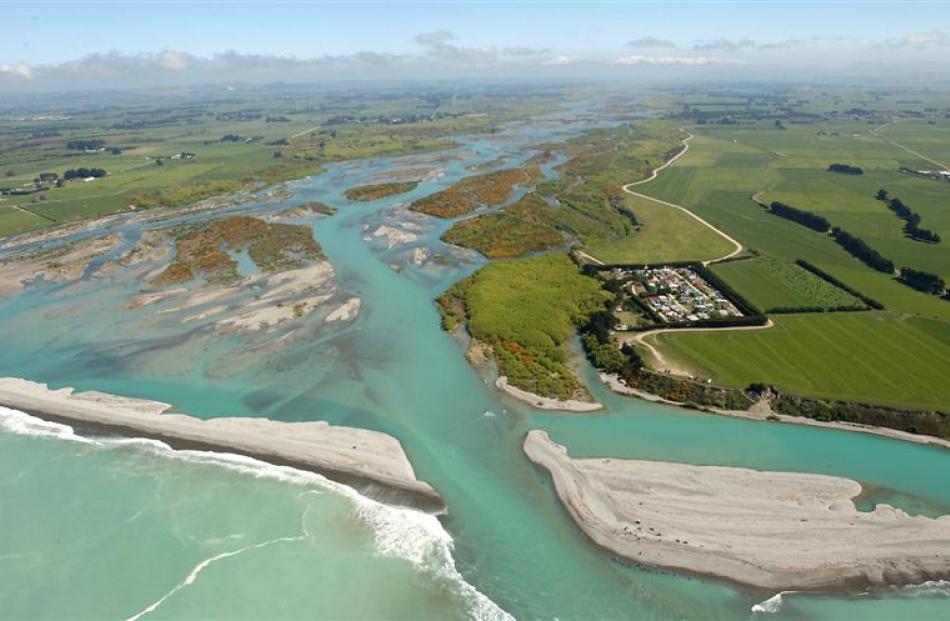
(775, 530)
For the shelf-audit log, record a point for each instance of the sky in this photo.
(106, 44)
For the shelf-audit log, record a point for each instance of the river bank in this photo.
(545, 403)
(762, 412)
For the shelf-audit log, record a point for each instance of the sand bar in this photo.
(771, 530)
(373, 462)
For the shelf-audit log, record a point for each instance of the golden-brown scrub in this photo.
(526, 309)
(479, 191)
(589, 194)
(379, 190)
(518, 229)
(203, 250)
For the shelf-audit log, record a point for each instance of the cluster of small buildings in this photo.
(678, 294)
(943, 175)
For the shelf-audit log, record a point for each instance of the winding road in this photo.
(738, 247)
(660, 361)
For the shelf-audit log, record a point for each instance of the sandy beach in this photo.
(545, 403)
(373, 462)
(771, 530)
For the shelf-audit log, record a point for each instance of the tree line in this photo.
(922, 281)
(601, 350)
(805, 218)
(87, 144)
(910, 217)
(84, 173)
(856, 247)
(820, 273)
(845, 169)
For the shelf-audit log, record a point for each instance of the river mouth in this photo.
(392, 369)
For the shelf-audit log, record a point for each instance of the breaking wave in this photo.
(409, 534)
(23, 424)
(928, 589)
(931, 588)
(772, 604)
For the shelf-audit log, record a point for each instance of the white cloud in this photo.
(724, 45)
(518, 50)
(18, 70)
(650, 42)
(173, 61)
(563, 59)
(638, 59)
(779, 45)
(924, 39)
(438, 46)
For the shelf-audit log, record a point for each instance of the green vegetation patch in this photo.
(772, 284)
(868, 357)
(518, 229)
(526, 309)
(272, 246)
(379, 190)
(175, 196)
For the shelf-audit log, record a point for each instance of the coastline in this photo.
(372, 462)
(767, 415)
(770, 530)
(545, 403)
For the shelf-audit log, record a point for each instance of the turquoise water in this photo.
(108, 530)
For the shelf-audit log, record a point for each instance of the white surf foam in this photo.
(401, 532)
(931, 588)
(23, 424)
(928, 589)
(772, 604)
(197, 569)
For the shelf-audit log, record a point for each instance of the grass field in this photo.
(770, 283)
(866, 357)
(722, 194)
(900, 356)
(665, 234)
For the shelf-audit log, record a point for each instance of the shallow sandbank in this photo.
(373, 462)
(545, 403)
(771, 530)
